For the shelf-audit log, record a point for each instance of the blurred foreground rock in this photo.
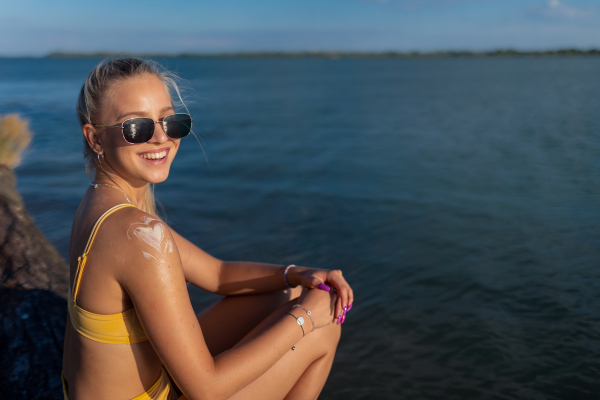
(33, 287)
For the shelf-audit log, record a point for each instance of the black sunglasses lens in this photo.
(138, 130)
(178, 126)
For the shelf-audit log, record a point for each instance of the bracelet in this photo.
(285, 275)
(300, 321)
(309, 314)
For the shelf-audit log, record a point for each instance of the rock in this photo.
(27, 259)
(32, 329)
(33, 287)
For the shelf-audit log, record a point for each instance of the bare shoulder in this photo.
(151, 273)
(149, 270)
(139, 244)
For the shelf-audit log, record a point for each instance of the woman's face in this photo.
(142, 96)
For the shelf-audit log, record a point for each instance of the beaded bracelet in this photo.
(309, 314)
(285, 275)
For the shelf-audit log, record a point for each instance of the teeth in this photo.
(154, 156)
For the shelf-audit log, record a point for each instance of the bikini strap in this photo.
(83, 259)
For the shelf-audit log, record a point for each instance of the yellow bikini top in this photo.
(120, 328)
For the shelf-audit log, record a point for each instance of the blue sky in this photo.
(36, 27)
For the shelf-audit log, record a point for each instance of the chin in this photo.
(155, 173)
(158, 178)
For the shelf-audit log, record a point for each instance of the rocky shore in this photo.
(34, 280)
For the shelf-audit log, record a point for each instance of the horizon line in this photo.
(508, 52)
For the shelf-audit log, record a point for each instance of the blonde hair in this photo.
(93, 95)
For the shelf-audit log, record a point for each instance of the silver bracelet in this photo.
(300, 322)
(308, 312)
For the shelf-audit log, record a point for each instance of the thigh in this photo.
(229, 320)
(300, 373)
(238, 319)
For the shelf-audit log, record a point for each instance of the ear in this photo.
(92, 137)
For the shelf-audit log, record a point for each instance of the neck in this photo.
(136, 193)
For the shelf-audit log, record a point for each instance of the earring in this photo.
(100, 159)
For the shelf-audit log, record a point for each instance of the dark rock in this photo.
(31, 343)
(27, 259)
(33, 287)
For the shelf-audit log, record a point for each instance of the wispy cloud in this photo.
(416, 2)
(560, 9)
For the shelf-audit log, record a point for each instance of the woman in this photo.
(132, 332)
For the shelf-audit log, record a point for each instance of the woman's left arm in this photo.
(236, 278)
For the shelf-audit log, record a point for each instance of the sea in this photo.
(459, 196)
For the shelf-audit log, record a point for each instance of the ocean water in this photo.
(460, 198)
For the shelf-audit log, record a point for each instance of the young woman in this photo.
(131, 330)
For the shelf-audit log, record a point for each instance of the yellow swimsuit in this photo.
(120, 328)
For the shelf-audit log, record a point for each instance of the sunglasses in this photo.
(141, 130)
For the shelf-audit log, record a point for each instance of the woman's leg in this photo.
(300, 373)
(226, 322)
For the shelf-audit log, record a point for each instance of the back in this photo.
(92, 368)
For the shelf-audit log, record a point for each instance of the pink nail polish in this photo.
(345, 310)
(324, 287)
(350, 307)
(339, 319)
(343, 319)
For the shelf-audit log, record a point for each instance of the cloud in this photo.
(558, 9)
(418, 2)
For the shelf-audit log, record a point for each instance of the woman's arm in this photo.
(153, 277)
(234, 278)
(227, 277)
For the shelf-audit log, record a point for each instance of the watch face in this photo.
(300, 320)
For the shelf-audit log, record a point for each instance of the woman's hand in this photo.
(325, 279)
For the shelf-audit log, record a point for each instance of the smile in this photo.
(154, 156)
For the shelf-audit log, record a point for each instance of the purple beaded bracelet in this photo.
(285, 275)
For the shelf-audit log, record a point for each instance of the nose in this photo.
(159, 135)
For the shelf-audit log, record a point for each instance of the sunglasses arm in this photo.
(108, 126)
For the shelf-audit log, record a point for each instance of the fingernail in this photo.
(350, 307)
(324, 287)
(343, 319)
(345, 310)
(339, 319)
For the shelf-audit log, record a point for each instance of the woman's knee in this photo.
(327, 338)
(334, 334)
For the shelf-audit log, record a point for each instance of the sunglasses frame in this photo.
(122, 126)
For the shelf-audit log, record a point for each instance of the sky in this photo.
(38, 27)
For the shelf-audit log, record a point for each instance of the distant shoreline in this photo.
(337, 54)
